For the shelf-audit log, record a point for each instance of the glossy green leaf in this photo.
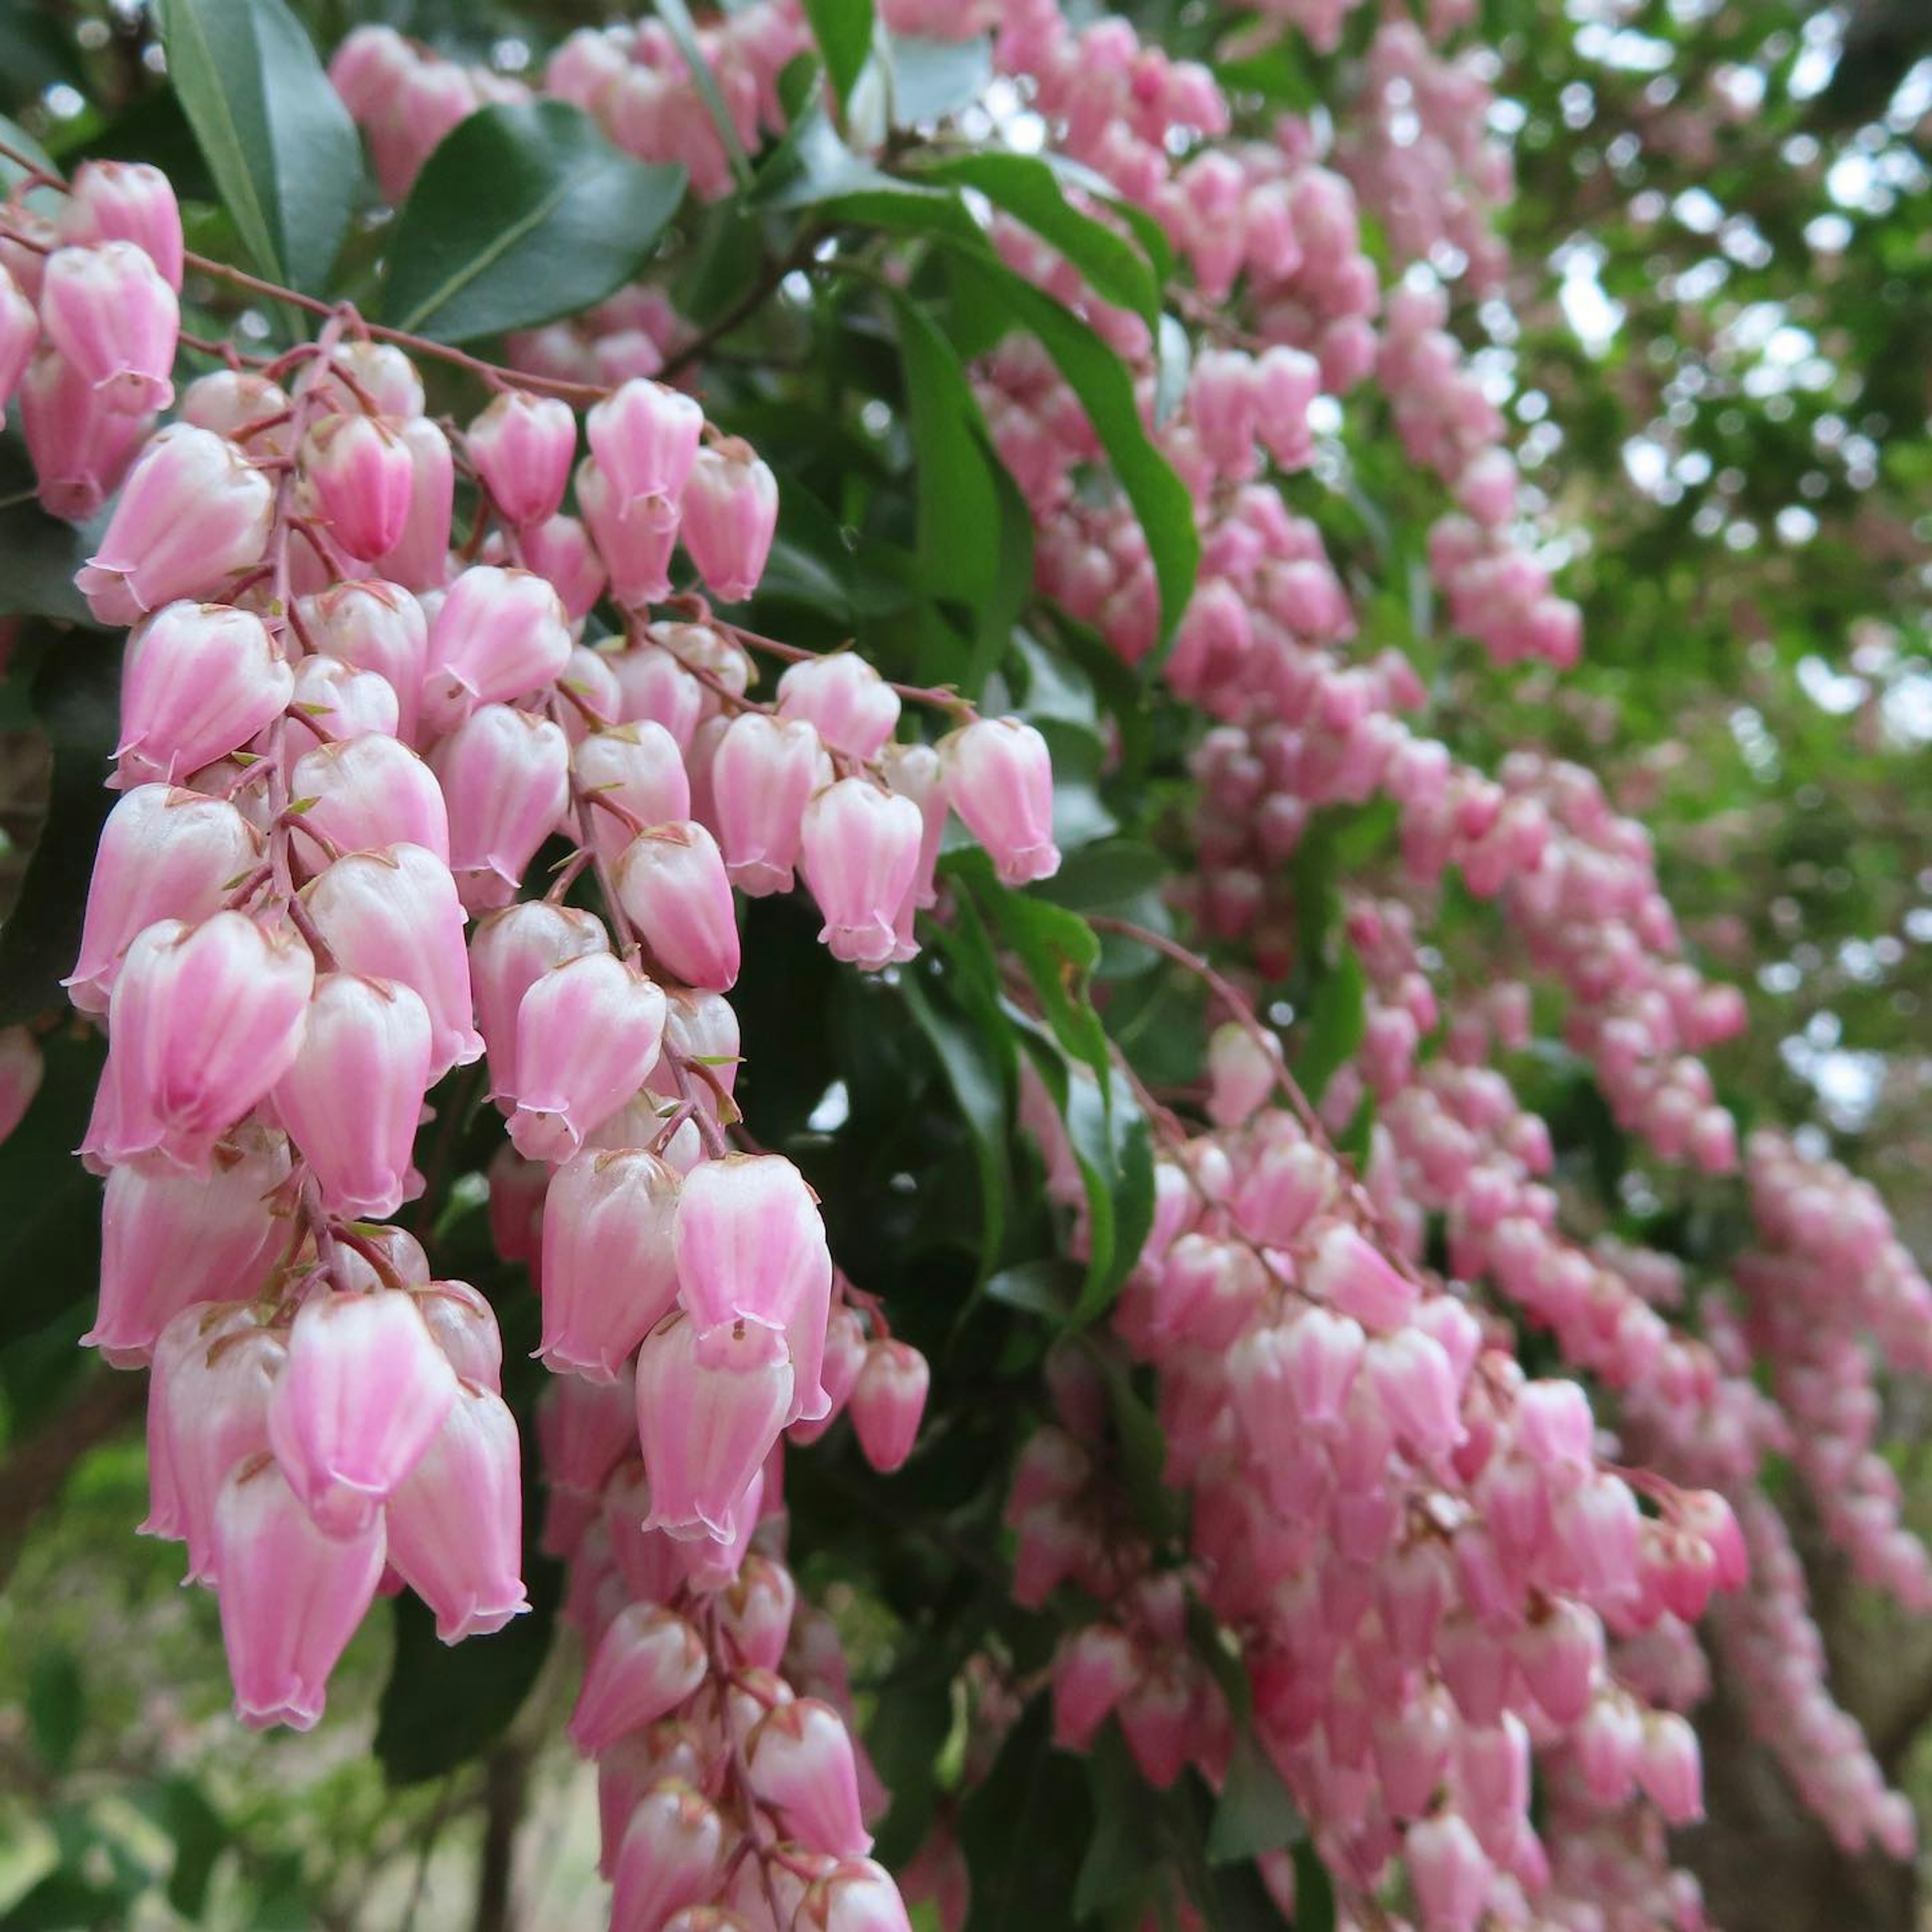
(1031, 191)
(931, 78)
(1255, 1813)
(278, 140)
(1100, 380)
(843, 29)
(524, 212)
(1337, 1017)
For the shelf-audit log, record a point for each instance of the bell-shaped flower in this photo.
(375, 626)
(609, 1274)
(19, 335)
(456, 1521)
(125, 201)
(170, 1241)
(671, 1857)
(204, 1020)
(353, 1097)
(506, 776)
(861, 851)
(1092, 1670)
(672, 884)
(291, 1596)
(200, 680)
(343, 701)
(635, 538)
(499, 634)
(362, 793)
(706, 1427)
(645, 438)
(749, 1243)
(639, 767)
(110, 311)
(394, 915)
(798, 1759)
(419, 558)
(645, 1666)
(362, 1396)
(193, 510)
(510, 949)
(999, 778)
(887, 1403)
(762, 772)
(562, 551)
(588, 1031)
(522, 446)
(164, 853)
(852, 708)
(363, 476)
(730, 514)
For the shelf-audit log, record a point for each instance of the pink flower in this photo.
(523, 445)
(291, 1596)
(644, 437)
(80, 446)
(762, 772)
(364, 1393)
(361, 794)
(730, 514)
(203, 1021)
(588, 1032)
(110, 311)
(511, 950)
(193, 512)
(19, 335)
(861, 851)
(125, 201)
(363, 475)
(638, 766)
(672, 1856)
(201, 679)
(887, 1401)
(420, 557)
(377, 627)
(800, 1758)
(506, 776)
(852, 708)
(354, 1094)
(646, 1664)
(455, 1522)
(749, 1244)
(163, 854)
(672, 884)
(999, 778)
(609, 1274)
(499, 634)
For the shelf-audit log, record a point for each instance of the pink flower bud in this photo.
(203, 1021)
(1449, 1873)
(1559, 1655)
(363, 794)
(646, 1664)
(673, 886)
(842, 1356)
(192, 510)
(587, 1032)
(655, 685)
(125, 201)
(456, 1522)
(800, 1758)
(394, 915)
(111, 313)
(1092, 1670)
(19, 335)
(764, 771)
(420, 557)
(201, 680)
(857, 1896)
(506, 776)
(1555, 1430)
(887, 1403)
(730, 514)
(644, 437)
(672, 1856)
(511, 949)
(749, 1244)
(377, 627)
(561, 550)
(345, 702)
(463, 1326)
(1599, 1527)
(363, 475)
(637, 547)
(860, 850)
(353, 1097)
(853, 709)
(1412, 1379)
(1608, 1742)
(362, 1396)
(523, 445)
(499, 635)
(706, 1427)
(1669, 1768)
(755, 1612)
(918, 772)
(81, 447)
(609, 1275)
(638, 766)
(1154, 1718)
(999, 777)
(183, 1355)
(170, 1241)
(291, 1596)
(1242, 1074)
(163, 854)
(229, 401)
(1353, 1277)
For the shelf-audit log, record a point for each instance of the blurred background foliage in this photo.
(1717, 348)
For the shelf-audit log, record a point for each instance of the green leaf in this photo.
(843, 29)
(1057, 949)
(1337, 1017)
(56, 1702)
(444, 1703)
(678, 23)
(200, 1835)
(1047, 1286)
(1143, 1450)
(1114, 1151)
(1100, 380)
(75, 699)
(1255, 1813)
(524, 212)
(958, 514)
(278, 140)
(1022, 1829)
(931, 78)
(979, 1077)
(1103, 875)
(1127, 1844)
(1029, 190)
